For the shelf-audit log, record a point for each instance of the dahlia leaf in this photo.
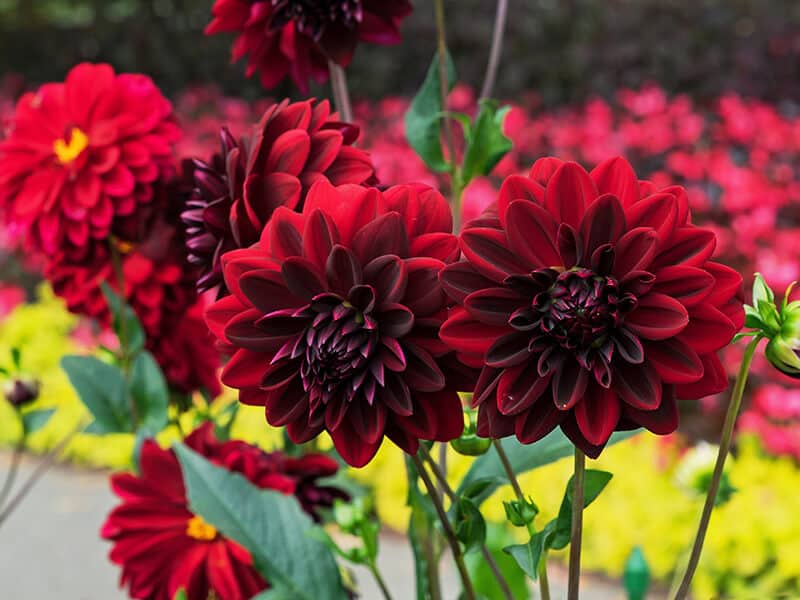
(150, 393)
(34, 420)
(423, 117)
(102, 389)
(270, 525)
(523, 458)
(528, 555)
(124, 321)
(594, 483)
(486, 142)
(470, 525)
(498, 537)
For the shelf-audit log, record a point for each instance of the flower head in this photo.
(590, 302)
(299, 37)
(334, 319)
(83, 155)
(163, 547)
(235, 194)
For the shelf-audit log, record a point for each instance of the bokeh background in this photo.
(705, 93)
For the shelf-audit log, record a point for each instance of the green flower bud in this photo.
(521, 513)
(470, 444)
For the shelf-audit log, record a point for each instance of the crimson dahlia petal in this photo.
(298, 37)
(589, 304)
(236, 193)
(83, 156)
(334, 318)
(162, 546)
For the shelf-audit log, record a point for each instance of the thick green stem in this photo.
(573, 583)
(450, 535)
(487, 556)
(544, 584)
(496, 49)
(341, 93)
(724, 447)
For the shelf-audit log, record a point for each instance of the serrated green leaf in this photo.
(34, 420)
(270, 525)
(594, 483)
(422, 120)
(523, 458)
(486, 143)
(102, 389)
(134, 333)
(149, 390)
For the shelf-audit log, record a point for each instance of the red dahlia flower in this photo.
(236, 193)
(82, 153)
(299, 37)
(590, 302)
(335, 315)
(163, 547)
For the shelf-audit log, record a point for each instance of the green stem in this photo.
(450, 535)
(487, 556)
(373, 568)
(544, 584)
(573, 583)
(724, 447)
(124, 341)
(496, 49)
(13, 469)
(341, 93)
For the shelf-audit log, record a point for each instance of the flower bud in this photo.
(469, 444)
(779, 324)
(20, 392)
(521, 513)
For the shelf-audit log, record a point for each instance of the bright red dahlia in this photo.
(83, 153)
(299, 37)
(335, 315)
(590, 302)
(236, 193)
(163, 547)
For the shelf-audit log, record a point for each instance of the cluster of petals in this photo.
(298, 37)
(82, 155)
(334, 316)
(162, 547)
(590, 302)
(236, 192)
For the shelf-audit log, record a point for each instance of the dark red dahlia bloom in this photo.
(335, 315)
(81, 155)
(591, 303)
(235, 194)
(299, 37)
(163, 547)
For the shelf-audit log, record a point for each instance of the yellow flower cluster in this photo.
(753, 545)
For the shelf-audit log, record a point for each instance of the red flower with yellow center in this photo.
(82, 155)
(590, 302)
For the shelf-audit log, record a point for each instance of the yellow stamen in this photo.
(198, 529)
(67, 151)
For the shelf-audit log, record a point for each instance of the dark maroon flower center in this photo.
(336, 349)
(312, 17)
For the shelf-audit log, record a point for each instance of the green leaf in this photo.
(149, 390)
(497, 537)
(528, 555)
(422, 120)
(274, 594)
(120, 310)
(470, 525)
(552, 447)
(102, 389)
(34, 420)
(594, 483)
(486, 143)
(761, 291)
(16, 358)
(180, 595)
(270, 525)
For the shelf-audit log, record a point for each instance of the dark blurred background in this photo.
(563, 49)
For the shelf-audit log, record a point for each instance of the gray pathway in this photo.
(50, 547)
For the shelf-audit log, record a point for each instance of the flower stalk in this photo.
(576, 536)
(341, 92)
(724, 447)
(496, 49)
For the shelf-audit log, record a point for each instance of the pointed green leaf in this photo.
(133, 331)
(528, 555)
(422, 120)
(486, 144)
(102, 389)
(34, 420)
(270, 525)
(149, 390)
(594, 483)
(470, 525)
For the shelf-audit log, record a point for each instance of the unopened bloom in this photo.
(82, 156)
(590, 302)
(235, 194)
(298, 37)
(334, 318)
(162, 546)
